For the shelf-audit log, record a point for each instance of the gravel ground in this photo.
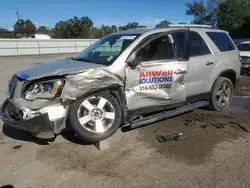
(213, 152)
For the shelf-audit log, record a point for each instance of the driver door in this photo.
(158, 79)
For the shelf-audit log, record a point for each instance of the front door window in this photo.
(158, 49)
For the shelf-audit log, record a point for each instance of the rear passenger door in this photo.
(201, 62)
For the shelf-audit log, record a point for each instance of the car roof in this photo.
(169, 27)
(133, 31)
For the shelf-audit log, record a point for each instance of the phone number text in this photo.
(154, 87)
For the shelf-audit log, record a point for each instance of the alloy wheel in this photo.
(96, 114)
(223, 94)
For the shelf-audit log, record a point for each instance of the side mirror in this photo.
(132, 62)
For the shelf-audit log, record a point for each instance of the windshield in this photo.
(106, 50)
(244, 47)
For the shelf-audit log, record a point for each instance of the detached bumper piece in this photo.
(12, 116)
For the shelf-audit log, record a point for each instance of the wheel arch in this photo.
(230, 74)
(116, 90)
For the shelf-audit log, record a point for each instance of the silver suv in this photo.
(127, 79)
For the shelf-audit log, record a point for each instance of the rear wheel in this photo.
(95, 117)
(221, 94)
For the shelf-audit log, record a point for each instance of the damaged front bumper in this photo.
(38, 122)
(245, 68)
(9, 112)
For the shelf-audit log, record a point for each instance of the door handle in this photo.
(209, 63)
(179, 71)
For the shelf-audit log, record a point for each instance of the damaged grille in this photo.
(14, 113)
(245, 59)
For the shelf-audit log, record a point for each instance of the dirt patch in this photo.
(240, 105)
(1, 136)
(203, 130)
(72, 157)
(243, 87)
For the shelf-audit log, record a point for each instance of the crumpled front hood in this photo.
(56, 68)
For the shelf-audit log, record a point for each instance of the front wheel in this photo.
(95, 117)
(221, 94)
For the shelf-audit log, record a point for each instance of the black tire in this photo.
(214, 103)
(87, 135)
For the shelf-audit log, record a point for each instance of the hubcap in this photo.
(223, 94)
(96, 114)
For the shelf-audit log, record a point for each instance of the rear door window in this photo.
(197, 45)
(222, 41)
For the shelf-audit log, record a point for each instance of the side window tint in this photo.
(222, 41)
(179, 43)
(197, 46)
(158, 49)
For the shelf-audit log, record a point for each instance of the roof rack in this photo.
(186, 26)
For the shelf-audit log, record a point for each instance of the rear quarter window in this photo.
(222, 41)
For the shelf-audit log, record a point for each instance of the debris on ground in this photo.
(217, 125)
(204, 126)
(188, 122)
(240, 126)
(156, 130)
(17, 146)
(206, 120)
(170, 137)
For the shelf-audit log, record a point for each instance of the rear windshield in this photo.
(244, 47)
(222, 41)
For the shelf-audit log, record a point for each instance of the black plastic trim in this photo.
(163, 115)
(199, 97)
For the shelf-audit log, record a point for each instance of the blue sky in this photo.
(107, 12)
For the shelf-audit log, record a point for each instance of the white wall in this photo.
(13, 47)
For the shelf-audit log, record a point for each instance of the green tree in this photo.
(29, 28)
(197, 10)
(131, 25)
(233, 14)
(43, 30)
(19, 28)
(86, 27)
(105, 29)
(163, 22)
(80, 27)
(61, 30)
(5, 33)
(74, 28)
(24, 28)
(96, 33)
